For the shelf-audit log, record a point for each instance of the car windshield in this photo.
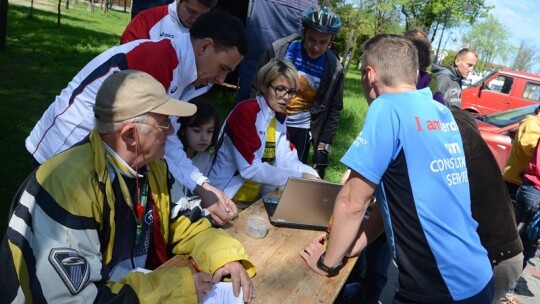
(503, 119)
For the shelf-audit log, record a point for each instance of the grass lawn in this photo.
(41, 57)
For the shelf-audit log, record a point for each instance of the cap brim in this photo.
(176, 107)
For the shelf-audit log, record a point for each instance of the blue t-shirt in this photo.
(310, 72)
(410, 146)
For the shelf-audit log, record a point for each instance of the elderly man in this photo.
(89, 217)
(403, 154)
(166, 21)
(186, 66)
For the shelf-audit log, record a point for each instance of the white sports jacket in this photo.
(70, 118)
(154, 23)
(241, 147)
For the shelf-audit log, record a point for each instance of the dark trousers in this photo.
(485, 296)
(300, 138)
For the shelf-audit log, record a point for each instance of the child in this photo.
(198, 134)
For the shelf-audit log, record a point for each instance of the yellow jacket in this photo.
(523, 146)
(61, 237)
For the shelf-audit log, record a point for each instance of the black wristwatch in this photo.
(332, 271)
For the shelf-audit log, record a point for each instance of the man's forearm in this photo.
(208, 198)
(349, 210)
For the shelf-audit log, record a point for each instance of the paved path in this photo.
(527, 290)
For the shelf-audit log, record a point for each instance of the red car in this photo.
(499, 129)
(501, 91)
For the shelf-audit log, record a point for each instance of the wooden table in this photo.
(282, 275)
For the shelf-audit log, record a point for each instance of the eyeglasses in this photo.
(281, 92)
(164, 126)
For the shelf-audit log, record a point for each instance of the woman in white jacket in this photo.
(253, 149)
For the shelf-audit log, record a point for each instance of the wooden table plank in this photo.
(282, 275)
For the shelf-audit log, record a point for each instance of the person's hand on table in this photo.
(203, 284)
(313, 251)
(239, 278)
(222, 212)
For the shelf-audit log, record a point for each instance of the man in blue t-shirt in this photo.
(409, 154)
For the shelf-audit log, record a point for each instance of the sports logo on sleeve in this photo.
(72, 267)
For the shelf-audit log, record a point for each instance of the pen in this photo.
(194, 264)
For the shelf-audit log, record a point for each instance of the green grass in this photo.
(41, 57)
(39, 60)
(350, 122)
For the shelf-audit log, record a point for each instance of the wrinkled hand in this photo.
(313, 251)
(203, 284)
(320, 161)
(239, 278)
(225, 210)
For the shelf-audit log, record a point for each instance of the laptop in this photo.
(304, 204)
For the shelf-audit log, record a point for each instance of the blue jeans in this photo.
(366, 287)
(527, 199)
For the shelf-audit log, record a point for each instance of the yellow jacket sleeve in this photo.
(212, 248)
(160, 285)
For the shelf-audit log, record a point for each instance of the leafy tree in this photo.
(449, 59)
(489, 38)
(525, 58)
(432, 13)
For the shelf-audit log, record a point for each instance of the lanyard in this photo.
(140, 207)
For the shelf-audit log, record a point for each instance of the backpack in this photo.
(532, 230)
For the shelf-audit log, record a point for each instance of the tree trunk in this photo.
(434, 33)
(3, 23)
(90, 6)
(352, 55)
(67, 4)
(59, 7)
(125, 6)
(348, 45)
(31, 14)
(351, 38)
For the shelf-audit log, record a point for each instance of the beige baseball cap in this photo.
(129, 93)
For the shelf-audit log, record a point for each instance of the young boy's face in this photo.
(189, 11)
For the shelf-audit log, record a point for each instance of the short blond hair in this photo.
(277, 67)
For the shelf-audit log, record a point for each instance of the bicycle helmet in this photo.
(322, 19)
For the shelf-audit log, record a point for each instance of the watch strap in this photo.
(332, 271)
(323, 146)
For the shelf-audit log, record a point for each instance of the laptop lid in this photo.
(305, 204)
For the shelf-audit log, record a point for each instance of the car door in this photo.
(531, 92)
(495, 96)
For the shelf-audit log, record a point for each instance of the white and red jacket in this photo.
(241, 147)
(154, 23)
(70, 118)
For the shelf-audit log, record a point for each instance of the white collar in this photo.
(117, 162)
